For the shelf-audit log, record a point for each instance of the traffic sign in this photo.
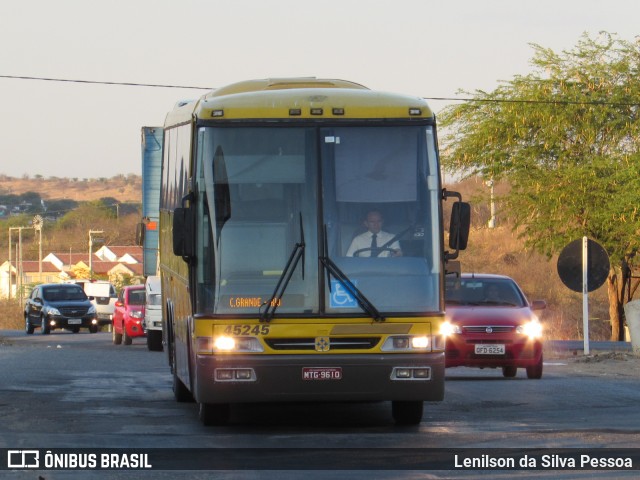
(570, 265)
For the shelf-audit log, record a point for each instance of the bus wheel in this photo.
(212, 414)
(407, 413)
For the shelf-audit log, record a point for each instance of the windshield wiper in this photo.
(344, 280)
(285, 277)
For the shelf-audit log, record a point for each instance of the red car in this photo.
(128, 315)
(490, 323)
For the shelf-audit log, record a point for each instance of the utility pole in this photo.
(492, 219)
(37, 223)
(91, 232)
(10, 268)
(18, 263)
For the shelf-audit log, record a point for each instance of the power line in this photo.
(445, 99)
(99, 82)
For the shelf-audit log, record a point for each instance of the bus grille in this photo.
(355, 343)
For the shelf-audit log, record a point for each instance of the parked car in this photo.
(490, 323)
(59, 305)
(153, 313)
(103, 295)
(128, 315)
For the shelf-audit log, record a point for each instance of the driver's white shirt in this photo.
(364, 241)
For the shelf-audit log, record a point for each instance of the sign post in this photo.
(585, 293)
(583, 266)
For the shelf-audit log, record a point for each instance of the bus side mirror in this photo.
(460, 225)
(183, 233)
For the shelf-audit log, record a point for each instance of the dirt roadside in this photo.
(600, 363)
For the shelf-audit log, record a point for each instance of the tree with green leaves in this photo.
(566, 137)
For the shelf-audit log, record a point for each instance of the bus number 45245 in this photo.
(247, 330)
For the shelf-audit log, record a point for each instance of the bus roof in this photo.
(298, 98)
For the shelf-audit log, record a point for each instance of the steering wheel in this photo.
(378, 249)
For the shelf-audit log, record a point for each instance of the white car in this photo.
(104, 298)
(153, 313)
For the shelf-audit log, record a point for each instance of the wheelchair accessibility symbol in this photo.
(340, 297)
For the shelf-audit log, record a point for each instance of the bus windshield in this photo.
(260, 191)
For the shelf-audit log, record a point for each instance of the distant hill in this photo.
(124, 188)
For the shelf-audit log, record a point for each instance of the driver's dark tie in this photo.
(374, 245)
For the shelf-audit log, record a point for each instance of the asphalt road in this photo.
(80, 391)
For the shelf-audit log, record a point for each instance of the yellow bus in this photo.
(265, 185)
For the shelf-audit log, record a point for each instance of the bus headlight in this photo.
(420, 343)
(448, 328)
(225, 343)
(532, 329)
(406, 343)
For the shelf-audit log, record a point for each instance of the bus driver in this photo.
(372, 243)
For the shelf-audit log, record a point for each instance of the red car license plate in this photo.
(490, 349)
(322, 373)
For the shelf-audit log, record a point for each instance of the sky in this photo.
(418, 47)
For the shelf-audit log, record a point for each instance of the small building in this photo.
(27, 273)
(65, 260)
(114, 263)
(122, 254)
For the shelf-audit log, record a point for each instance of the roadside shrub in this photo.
(11, 315)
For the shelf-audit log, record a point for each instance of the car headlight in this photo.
(532, 329)
(136, 314)
(92, 310)
(54, 311)
(448, 328)
(406, 343)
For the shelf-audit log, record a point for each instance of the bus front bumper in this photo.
(282, 378)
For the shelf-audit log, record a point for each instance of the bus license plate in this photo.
(322, 373)
(74, 321)
(493, 349)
